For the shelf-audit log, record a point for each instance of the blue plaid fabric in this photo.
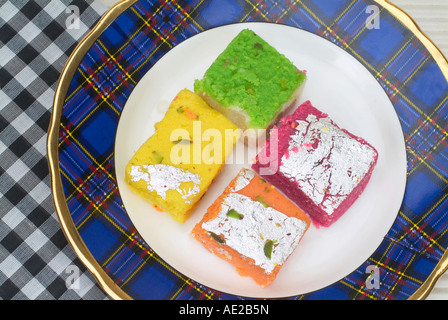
(147, 30)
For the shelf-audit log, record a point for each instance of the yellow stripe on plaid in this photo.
(254, 8)
(423, 161)
(365, 26)
(112, 58)
(435, 146)
(189, 283)
(98, 165)
(96, 208)
(357, 289)
(402, 274)
(149, 255)
(103, 97)
(69, 132)
(429, 119)
(343, 13)
(415, 225)
(81, 86)
(154, 51)
(78, 187)
(149, 26)
(187, 15)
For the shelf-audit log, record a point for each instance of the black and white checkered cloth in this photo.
(36, 262)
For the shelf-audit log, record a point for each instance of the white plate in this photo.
(337, 84)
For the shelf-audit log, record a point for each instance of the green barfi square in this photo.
(251, 82)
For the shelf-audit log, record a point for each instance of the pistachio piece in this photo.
(258, 46)
(217, 238)
(183, 141)
(283, 84)
(262, 201)
(235, 215)
(268, 247)
(158, 157)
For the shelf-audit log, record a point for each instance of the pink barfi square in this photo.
(318, 165)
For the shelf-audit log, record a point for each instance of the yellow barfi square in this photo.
(175, 167)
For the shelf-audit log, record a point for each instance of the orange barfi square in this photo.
(253, 226)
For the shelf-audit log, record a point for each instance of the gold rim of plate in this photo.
(67, 224)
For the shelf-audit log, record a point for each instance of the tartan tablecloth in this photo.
(36, 38)
(36, 262)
